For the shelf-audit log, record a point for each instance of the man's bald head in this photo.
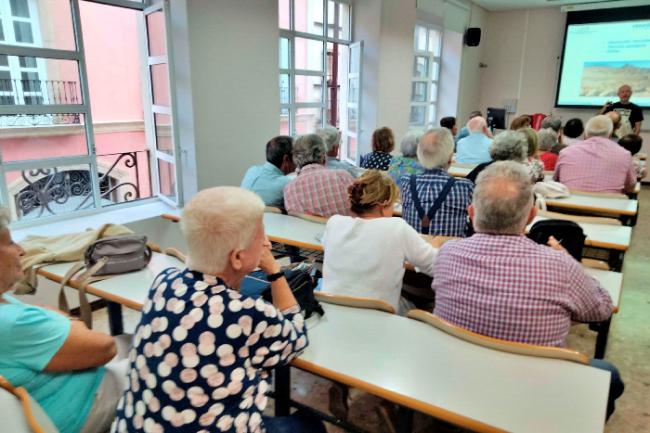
(616, 119)
(477, 124)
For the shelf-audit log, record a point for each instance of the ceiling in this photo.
(504, 5)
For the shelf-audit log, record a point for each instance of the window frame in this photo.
(430, 101)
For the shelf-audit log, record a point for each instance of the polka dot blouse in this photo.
(376, 160)
(201, 357)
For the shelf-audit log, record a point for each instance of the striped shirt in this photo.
(319, 191)
(451, 218)
(511, 288)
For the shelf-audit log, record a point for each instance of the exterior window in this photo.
(315, 48)
(426, 72)
(79, 130)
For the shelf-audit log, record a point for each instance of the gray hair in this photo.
(309, 149)
(503, 197)
(409, 144)
(435, 148)
(330, 135)
(218, 221)
(599, 126)
(547, 139)
(553, 122)
(509, 146)
(5, 219)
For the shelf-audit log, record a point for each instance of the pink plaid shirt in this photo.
(512, 288)
(596, 164)
(319, 191)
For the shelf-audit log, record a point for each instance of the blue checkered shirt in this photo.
(451, 218)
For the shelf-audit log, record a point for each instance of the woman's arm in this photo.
(83, 349)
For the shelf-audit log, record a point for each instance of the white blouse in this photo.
(365, 257)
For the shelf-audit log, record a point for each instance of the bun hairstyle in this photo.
(372, 188)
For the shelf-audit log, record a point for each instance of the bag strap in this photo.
(87, 277)
(23, 396)
(437, 204)
(63, 301)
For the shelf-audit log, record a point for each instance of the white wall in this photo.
(470, 75)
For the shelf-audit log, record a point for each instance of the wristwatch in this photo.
(272, 277)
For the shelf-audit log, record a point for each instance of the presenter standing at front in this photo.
(631, 114)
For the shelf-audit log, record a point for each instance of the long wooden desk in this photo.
(419, 367)
(623, 208)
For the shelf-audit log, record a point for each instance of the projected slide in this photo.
(600, 57)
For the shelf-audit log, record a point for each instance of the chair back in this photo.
(495, 343)
(353, 301)
(20, 413)
(272, 209)
(568, 233)
(536, 120)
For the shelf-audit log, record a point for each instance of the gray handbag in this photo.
(103, 258)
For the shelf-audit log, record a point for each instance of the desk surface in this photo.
(595, 204)
(294, 231)
(606, 236)
(463, 383)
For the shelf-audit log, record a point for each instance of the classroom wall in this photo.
(470, 74)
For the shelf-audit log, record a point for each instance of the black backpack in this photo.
(568, 233)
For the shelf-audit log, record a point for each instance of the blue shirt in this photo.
(451, 218)
(30, 337)
(267, 181)
(336, 164)
(473, 149)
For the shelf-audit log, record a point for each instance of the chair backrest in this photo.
(580, 218)
(536, 120)
(352, 301)
(308, 217)
(20, 413)
(175, 253)
(272, 209)
(495, 343)
(568, 233)
(170, 217)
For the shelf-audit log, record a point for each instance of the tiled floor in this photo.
(628, 349)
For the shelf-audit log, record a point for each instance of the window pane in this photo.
(19, 8)
(344, 21)
(308, 16)
(24, 137)
(44, 192)
(434, 92)
(23, 32)
(4, 60)
(167, 178)
(353, 92)
(432, 113)
(308, 119)
(32, 87)
(308, 54)
(2, 33)
(284, 53)
(163, 127)
(419, 92)
(284, 122)
(420, 38)
(421, 67)
(331, 16)
(156, 34)
(27, 62)
(417, 115)
(284, 89)
(435, 70)
(160, 84)
(308, 88)
(352, 148)
(283, 14)
(353, 119)
(123, 177)
(434, 42)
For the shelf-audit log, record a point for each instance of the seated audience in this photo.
(449, 123)
(383, 143)
(633, 143)
(507, 146)
(464, 132)
(547, 141)
(523, 121)
(596, 164)
(357, 262)
(533, 163)
(616, 123)
(503, 285)
(552, 122)
(408, 162)
(572, 131)
(435, 191)
(332, 139)
(474, 149)
(269, 179)
(316, 190)
(203, 354)
(59, 361)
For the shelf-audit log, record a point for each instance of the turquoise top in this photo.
(473, 149)
(30, 337)
(401, 165)
(268, 182)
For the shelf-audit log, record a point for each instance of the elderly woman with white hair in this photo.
(507, 146)
(434, 202)
(407, 163)
(202, 352)
(55, 357)
(332, 138)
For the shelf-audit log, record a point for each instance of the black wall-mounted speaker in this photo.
(473, 36)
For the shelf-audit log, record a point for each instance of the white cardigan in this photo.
(365, 257)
